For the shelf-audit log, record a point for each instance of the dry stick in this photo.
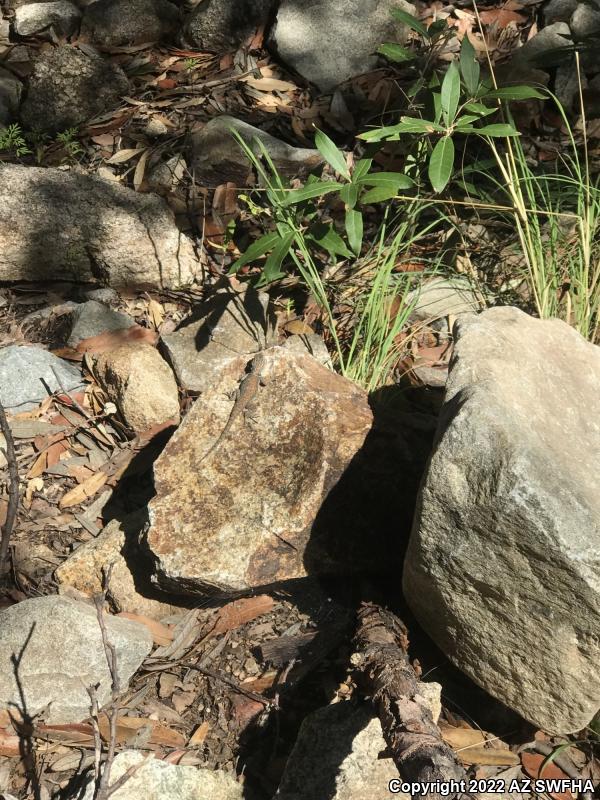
(13, 495)
(384, 673)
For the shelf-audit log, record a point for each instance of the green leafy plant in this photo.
(298, 235)
(12, 140)
(69, 143)
(458, 106)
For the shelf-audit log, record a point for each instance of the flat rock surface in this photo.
(158, 780)
(330, 41)
(25, 372)
(502, 565)
(141, 383)
(59, 645)
(60, 225)
(245, 515)
(217, 156)
(68, 86)
(214, 337)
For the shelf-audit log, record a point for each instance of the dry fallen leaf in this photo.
(532, 763)
(161, 634)
(199, 735)
(84, 491)
(129, 727)
(238, 612)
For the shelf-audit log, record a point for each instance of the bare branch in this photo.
(13, 496)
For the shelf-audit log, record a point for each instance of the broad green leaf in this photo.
(349, 194)
(354, 230)
(329, 239)
(272, 268)
(469, 66)
(395, 52)
(479, 109)
(441, 163)
(467, 119)
(450, 93)
(406, 125)
(515, 93)
(310, 191)
(412, 22)
(256, 250)
(499, 129)
(380, 193)
(436, 98)
(361, 168)
(331, 153)
(399, 180)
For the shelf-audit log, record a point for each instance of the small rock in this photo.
(159, 780)
(213, 339)
(310, 343)
(57, 224)
(42, 316)
(215, 25)
(84, 570)
(502, 560)
(217, 157)
(30, 374)
(165, 177)
(439, 297)
(59, 644)
(116, 23)
(34, 18)
(331, 41)
(104, 295)
(92, 318)
(585, 21)
(68, 87)
(338, 755)
(155, 127)
(140, 383)
(10, 96)
(257, 495)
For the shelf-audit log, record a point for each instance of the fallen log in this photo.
(384, 673)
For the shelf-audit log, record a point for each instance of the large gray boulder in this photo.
(330, 41)
(10, 96)
(68, 87)
(114, 23)
(58, 225)
(220, 24)
(502, 565)
(57, 644)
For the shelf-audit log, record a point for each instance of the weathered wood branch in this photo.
(384, 673)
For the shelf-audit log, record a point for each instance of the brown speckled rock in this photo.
(253, 511)
(140, 382)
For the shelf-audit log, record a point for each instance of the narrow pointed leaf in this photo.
(469, 67)
(331, 153)
(395, 52)
(500, 129)
(386, 191)
(380, 178)
(450, 93)
(329, 239)
(412, 22)
(441, 163)
(515, 93)
(256, 250)
(349, 194)
(354, 230)
(309, 192)
(272, 267)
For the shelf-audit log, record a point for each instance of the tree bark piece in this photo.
(384, 673)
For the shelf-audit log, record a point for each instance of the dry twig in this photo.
(13, 496)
